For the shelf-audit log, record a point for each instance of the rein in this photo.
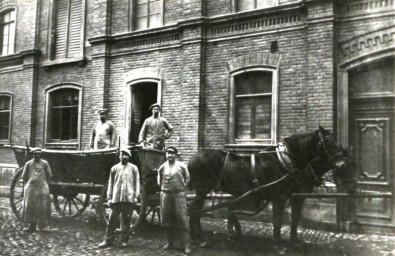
(255, 190)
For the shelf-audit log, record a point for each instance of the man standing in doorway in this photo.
(173, 179)
(103, 134)
(155, 130)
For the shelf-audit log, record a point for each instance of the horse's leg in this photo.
(295, 217)
(278, 210)
(233, 225)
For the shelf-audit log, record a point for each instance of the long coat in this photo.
(36, 199)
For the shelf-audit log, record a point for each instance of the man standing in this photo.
(103, 134)
(173, 178)
(36, 198)
(155, 130)
(123, 189)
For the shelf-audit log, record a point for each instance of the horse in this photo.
(313, 154)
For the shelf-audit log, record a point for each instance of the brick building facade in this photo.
(300, 60)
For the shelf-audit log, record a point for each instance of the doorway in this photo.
(372, 135)
(143, 96)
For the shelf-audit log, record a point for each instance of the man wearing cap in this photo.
(123, 189)
(103, 134)
(155, 130)
(173, 178)
(36, 198)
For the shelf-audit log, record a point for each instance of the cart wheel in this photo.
(70, 205)
(139, 210)
(16, 194)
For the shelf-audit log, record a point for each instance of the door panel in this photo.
(371, 134)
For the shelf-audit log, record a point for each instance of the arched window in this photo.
(7, 32)
(253, 106)
(5, 117)
(63, 114)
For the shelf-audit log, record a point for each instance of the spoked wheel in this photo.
(139, 210)
(70, 204)
(16, 194)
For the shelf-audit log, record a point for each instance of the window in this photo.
(253, 106)
(5, 116)
(7, 32)
(146, 14)
(63, 114)
(245, 5)
(67, 29)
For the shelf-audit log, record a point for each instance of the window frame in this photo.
(2, 13)
(132, 10)
(232, 105)
(235, 5)
(51, 43)
(48, 115)
(10, 96)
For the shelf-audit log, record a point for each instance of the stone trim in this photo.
(373, 42)
(365, 6)
(254, 59)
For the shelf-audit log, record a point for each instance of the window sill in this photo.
(249, 147)
(4, 142)
(62, 145)
(50, 63)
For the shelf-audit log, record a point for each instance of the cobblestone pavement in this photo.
(81, 236)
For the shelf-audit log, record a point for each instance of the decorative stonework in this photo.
(254, 59)
(367, 44)
(147, 42)
(366, 6)
(257, 25)
(143, 73)
(7, 2)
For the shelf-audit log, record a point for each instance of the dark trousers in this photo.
(125, 210)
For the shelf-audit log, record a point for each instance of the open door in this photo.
(143, 96)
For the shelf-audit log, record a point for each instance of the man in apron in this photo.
(103, 134)
(155, 130)
(173, 178)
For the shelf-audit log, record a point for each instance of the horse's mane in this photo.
(302, 146)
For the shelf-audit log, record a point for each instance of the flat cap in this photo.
(154, 105)
(103, 110)
(127, 151)
(171, 149)
(36, 150)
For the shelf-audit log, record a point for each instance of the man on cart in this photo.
(103, 134)
(155, 130)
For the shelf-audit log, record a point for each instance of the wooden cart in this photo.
(77, 175)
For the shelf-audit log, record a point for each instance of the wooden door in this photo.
(371, 133)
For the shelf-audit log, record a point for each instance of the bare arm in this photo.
(48, 171)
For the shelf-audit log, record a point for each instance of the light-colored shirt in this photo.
(154, 131)
(173, 177)
(103, 135)
(124, 183)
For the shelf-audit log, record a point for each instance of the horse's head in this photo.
(327, 147)
(345, 171)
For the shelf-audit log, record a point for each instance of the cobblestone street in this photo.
(81, 236)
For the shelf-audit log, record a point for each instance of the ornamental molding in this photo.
(367, 44)
(7, 2)
(253, 60)
(143, 73)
